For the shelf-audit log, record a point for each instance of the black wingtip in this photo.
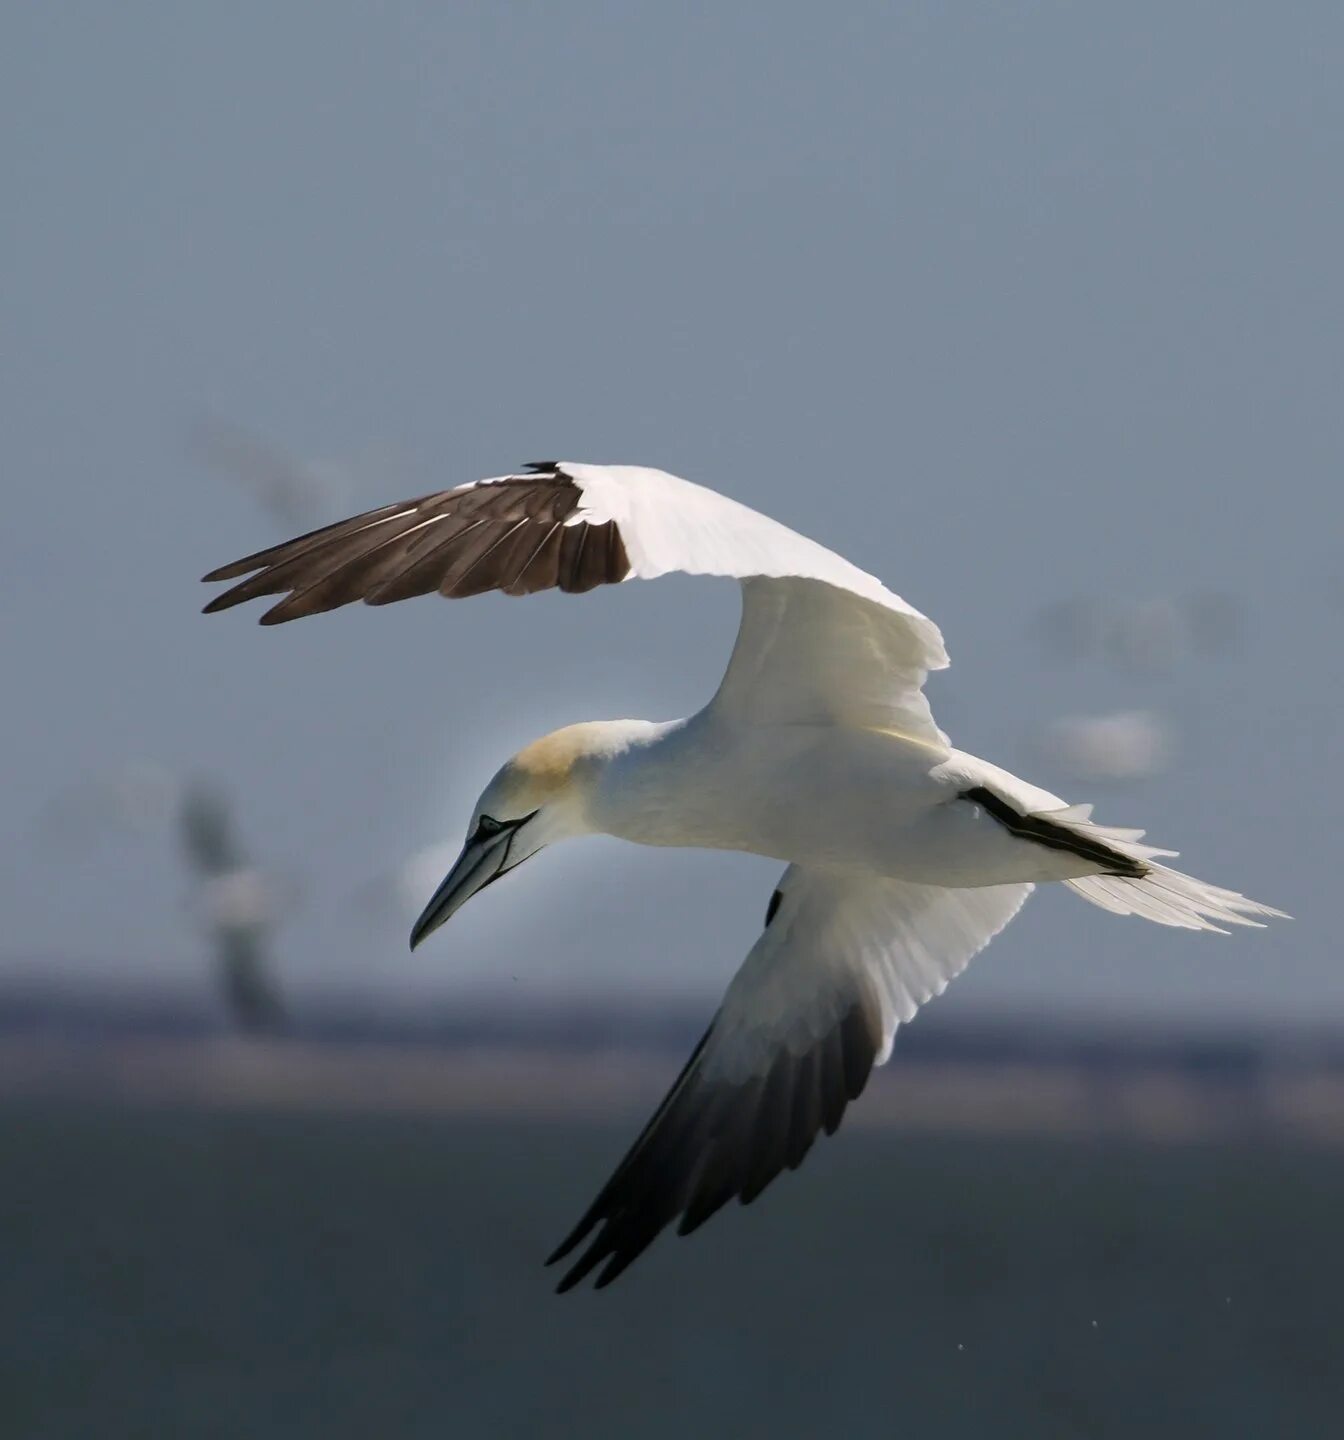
(617, 1265)
(227, 572)
(541, 467)
(578, 1233)
(580, 1270)
(561, 1250)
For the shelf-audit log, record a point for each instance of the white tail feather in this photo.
(1163, 895)
(1170, 898)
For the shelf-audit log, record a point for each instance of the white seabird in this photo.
(905, 855)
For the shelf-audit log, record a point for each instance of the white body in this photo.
(872, 801)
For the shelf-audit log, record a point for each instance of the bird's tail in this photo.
(1159, 893)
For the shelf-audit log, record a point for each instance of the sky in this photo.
(1008, 304)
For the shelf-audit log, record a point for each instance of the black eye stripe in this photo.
(487, 826)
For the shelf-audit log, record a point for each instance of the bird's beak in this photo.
(484, 858)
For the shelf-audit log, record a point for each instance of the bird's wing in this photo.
(820, 638)
(843, 960)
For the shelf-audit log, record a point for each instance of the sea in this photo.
(196, 1273)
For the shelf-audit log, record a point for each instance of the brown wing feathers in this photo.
(508, 535)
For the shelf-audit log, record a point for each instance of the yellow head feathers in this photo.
(559, 773)
(545, 765)
(547, 770)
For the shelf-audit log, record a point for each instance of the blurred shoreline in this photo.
(592, 1061)
(1042, 1096)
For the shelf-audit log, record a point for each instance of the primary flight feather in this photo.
(905, 855)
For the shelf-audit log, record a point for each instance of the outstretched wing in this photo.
(843, 961)
(821, 640)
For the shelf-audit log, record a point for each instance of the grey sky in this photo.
(1006, 303)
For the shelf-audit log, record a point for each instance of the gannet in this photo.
(905, 856)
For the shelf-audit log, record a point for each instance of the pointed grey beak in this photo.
(483, 859)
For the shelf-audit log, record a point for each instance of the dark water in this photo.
(197, 1275)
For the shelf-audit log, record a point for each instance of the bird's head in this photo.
(541, 795)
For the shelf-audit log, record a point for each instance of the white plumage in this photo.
(905, 855)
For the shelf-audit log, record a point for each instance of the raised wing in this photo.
(843, 961)
(820, 639)
(808, 653)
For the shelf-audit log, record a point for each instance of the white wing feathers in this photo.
(837, 939)
(820, 639)
(669, 524)
(807, 653)
(842, 962)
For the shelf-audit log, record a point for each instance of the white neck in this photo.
(646, 786)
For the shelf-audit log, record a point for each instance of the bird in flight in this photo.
(905, 855)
